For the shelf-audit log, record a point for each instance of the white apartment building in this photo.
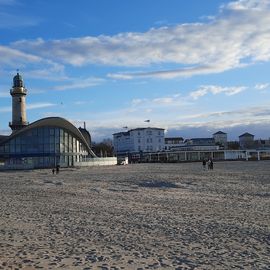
(139, 140)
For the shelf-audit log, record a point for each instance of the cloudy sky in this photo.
(192, 67)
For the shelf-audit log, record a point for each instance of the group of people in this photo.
(56, 169)
(209, 162)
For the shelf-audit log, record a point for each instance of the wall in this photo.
(97, 162)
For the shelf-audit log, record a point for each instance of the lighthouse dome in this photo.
(18, 81)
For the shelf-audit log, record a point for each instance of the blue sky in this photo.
(192, 67)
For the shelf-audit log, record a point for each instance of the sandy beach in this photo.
(139, 216)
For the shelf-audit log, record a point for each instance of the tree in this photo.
(233, 145)
(104, 148)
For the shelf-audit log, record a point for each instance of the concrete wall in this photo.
(97, 162)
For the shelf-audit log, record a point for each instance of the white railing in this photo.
(97, 162)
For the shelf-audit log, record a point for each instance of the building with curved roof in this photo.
(45, 143)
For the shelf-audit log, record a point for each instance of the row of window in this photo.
(63, 161)
(44, 140)
(149, 140)
(148, 132)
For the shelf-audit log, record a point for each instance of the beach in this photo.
(138, 216)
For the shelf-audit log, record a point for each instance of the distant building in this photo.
(246, 141)
(200, 141)
(139, 140)
(172, 143)
(262, 144)
(199, 144)
(191, 147)
(220, 138)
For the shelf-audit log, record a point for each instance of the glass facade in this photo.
(44, 147)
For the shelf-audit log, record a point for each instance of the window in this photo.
(51, 131)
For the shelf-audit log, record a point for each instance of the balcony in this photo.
(18, 91)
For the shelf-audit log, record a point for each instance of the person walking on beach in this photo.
(204, 164)
(208, 164)
(211, 164)
(57, 169)
(53, 171)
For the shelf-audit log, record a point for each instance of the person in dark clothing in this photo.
(204, 164)
(57, 169)
(211, 164)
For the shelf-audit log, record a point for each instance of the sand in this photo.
(141, 216)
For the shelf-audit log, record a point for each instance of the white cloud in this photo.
(262, 86)
(79, 102)
(12, 57)
(34, 66)
(214, 89)
(160, 103)
(168, 74)
(31, 106)
(164, 100)
(40, 105)
(250, 112)
(248, 5)
(238, 35)
(80, 83)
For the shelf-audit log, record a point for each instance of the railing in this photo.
(97, 162)
(21, 90)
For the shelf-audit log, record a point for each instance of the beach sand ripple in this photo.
(141, 216)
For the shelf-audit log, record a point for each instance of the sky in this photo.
(191, 67)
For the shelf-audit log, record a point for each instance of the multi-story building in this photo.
(200, 141)
(246, 140)
(262, 144)
(139, 140)
(172, 143)
(221, 138)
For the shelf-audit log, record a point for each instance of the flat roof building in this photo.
(148, 139)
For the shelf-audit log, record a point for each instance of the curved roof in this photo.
(56, 122)
(17, 80)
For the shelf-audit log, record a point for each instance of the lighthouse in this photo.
(18, 93)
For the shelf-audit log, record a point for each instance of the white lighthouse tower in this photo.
(18, 93)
